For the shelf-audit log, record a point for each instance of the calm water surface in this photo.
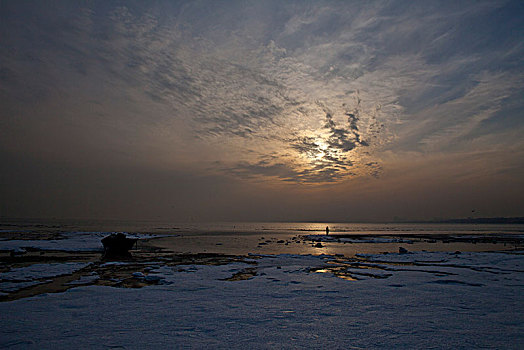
(218, 228)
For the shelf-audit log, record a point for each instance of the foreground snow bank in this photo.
(421, 304)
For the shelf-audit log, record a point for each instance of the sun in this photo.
(322, 149)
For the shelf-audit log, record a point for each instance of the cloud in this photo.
(450, 126)
(261, 170)
(304, 93)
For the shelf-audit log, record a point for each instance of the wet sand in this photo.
(286, 243)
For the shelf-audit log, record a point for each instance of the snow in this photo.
(42, 270)
(21, 277)
(428, 300)
(12, 286)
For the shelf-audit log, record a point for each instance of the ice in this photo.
(42, 270)
(492, 260)
(285, 305)
(22, 277)
(12, 286)
(88, 279)
(408, 257)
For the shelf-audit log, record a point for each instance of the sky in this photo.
(261, 110)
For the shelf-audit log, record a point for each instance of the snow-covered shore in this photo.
(417, 300)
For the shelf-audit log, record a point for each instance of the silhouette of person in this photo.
(327, 230)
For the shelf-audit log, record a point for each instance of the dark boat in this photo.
(117, 245)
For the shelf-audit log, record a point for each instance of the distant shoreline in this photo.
(499, 220)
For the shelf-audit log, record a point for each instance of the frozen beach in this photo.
(264, 289)
(243, 174)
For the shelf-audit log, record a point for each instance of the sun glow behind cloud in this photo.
(268, 108)
(323, 96)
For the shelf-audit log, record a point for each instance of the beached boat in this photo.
(117, 245)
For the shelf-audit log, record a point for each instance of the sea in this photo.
(35, 226)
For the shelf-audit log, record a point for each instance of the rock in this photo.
(153, 278)
(318, 245)
(402, 250)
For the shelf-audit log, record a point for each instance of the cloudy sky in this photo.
(261, 110)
